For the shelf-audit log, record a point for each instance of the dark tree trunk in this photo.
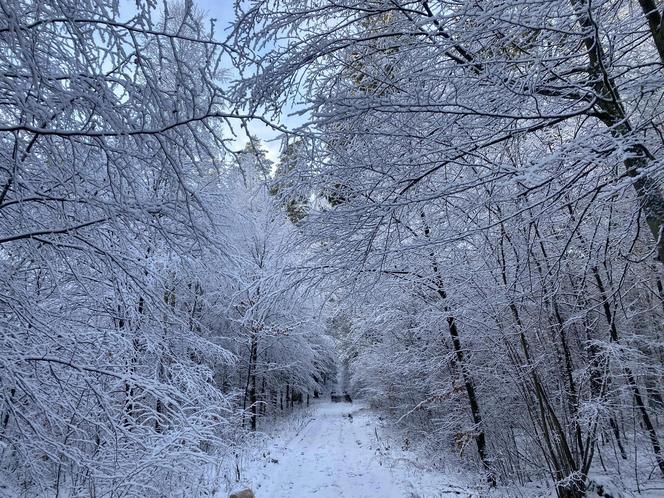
(466, 375)
(556, 447)
(631, 380)
(253, 404)
(612, 114)
(654, 17)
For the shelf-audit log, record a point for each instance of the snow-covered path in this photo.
(339, 453)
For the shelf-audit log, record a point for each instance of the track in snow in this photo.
(337, 456)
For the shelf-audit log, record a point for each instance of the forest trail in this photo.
(340, 453)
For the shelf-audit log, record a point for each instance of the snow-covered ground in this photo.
(341, 450)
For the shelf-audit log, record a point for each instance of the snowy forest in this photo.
(217, 219)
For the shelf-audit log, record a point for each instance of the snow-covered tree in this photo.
(105, 141)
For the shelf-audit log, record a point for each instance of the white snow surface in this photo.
(341, 451)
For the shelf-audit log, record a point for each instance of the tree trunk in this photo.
(466, 375)
(631, 380)
(655, 24)
(253, 405)
(613, 115)
(565, 466)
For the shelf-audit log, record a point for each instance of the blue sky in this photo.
(223, 11)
